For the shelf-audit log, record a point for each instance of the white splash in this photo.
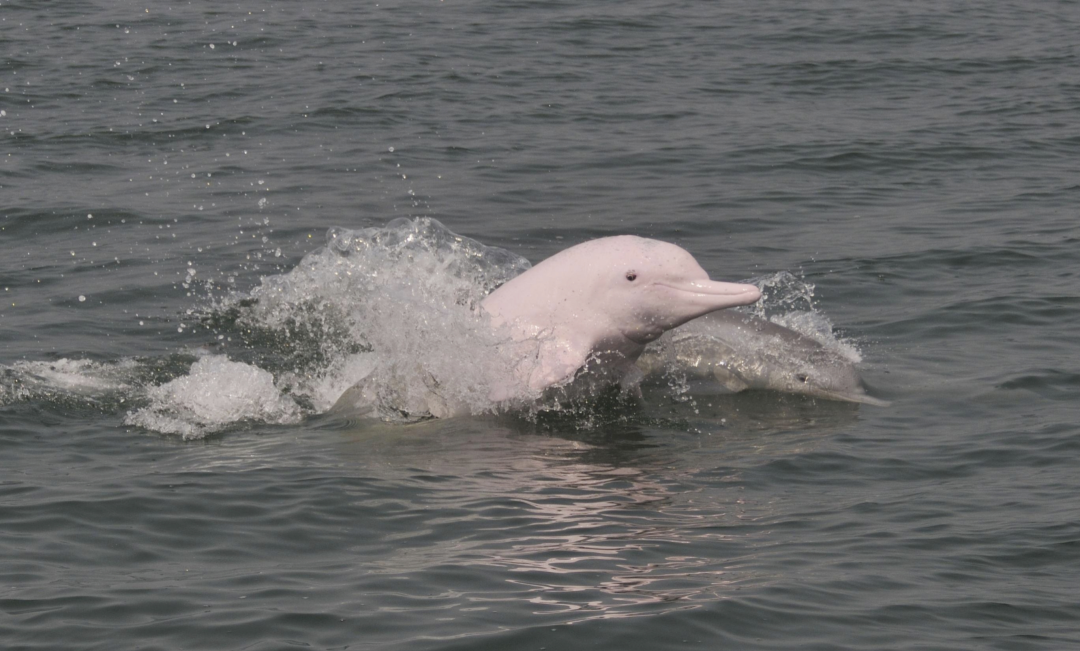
(818, 327)
(75, 378)
(405, 298)
(788, 301)
(216, 393)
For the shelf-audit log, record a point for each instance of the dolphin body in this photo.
(746, 352)
(580, 317)
(597, 305)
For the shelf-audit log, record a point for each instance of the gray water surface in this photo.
(916, 164)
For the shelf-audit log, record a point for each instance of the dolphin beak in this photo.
(715, 295)
(860, 398)
(694, 298)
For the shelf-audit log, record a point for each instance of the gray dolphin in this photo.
(741, 351)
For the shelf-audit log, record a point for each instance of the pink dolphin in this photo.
(600, 303)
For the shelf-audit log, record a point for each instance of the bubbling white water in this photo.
(215, 393)
(818, 327)
(387, 316)
(788, 300)
(76, 378)
(395, 309)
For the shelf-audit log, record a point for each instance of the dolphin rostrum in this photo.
(746, 352)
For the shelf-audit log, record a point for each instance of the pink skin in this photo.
(603, 300)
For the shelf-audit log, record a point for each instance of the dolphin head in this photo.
(645, 287)
(830, 377)
(794, 363)
(605, 299)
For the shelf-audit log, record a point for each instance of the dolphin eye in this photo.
(631, 276)
(802, 377)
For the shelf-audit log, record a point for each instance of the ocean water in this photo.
(215, 217)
